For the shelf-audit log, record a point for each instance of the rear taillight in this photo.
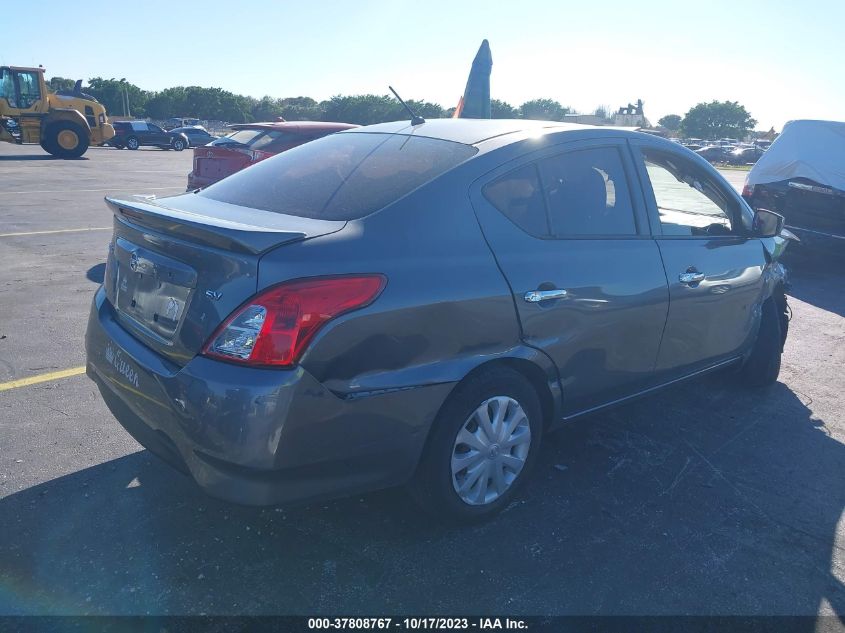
(275, 327)
(747, 190)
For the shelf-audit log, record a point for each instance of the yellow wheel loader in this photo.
(63, 123)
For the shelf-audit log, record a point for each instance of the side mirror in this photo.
(767, 223)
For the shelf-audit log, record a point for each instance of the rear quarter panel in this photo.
(445, 309)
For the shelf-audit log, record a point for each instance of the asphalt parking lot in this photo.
(704, 499)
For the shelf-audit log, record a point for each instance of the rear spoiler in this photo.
(209, 222)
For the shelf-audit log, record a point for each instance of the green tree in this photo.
(301, 109)
(717, 119)
(203, 103)
(112, 92)
(671, 122)
(543, 109)
(370, 109)
(502, 110)
(60, 83)
(267, 109)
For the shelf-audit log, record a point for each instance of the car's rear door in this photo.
(714, 266)
(569, 230)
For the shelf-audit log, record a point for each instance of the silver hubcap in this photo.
(490, 450)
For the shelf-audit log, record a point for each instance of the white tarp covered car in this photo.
(802, 177)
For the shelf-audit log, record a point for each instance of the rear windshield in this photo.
(243, 137)
(342, 176)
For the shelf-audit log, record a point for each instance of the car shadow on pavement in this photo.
(96, 273)
(819, 279)
(706, 499)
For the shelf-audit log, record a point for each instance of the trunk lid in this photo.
(179, 266)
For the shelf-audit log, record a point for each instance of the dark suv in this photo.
(134, 134)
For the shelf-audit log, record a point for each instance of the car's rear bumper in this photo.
(256, 436)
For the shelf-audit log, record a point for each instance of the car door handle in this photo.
(691, 277)
(535, 296)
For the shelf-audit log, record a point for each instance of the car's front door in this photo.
(157, 136)
(713, 264)
(569, 231)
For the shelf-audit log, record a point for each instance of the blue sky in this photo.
(782, 60)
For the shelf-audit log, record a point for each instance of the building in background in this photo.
(631, 116)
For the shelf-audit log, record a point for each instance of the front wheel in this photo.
(762, 367)
(65, 140)
(483, 444)
(178, 144)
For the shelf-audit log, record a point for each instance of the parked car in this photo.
(250, 143)
(180, 122)
(744, 155)
(196, 135)
(134, 134)
(422, 303)
(800, 176)
(714, 153)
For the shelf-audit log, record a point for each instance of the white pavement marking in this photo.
(96, 228)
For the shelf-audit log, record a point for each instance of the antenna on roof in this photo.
(416, 119)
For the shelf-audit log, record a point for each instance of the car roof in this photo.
(469, 131)
(295, 126)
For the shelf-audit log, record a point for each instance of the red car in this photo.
(251, 143)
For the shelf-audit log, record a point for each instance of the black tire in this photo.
(178, 144)
(762, 367)
(433, 486)
(65, 140)
(132, 142)
(47, 146)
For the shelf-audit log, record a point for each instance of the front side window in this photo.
(29, 87)
(154, 128)
(587, 193)
(688, 203)
(342, 176)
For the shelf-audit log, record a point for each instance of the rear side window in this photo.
(283, 141)
(519, 196)
(342, 176)
(587, 193)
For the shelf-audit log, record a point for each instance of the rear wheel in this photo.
(483, 444)
(132, 142)
(178, 144)
(65, 140)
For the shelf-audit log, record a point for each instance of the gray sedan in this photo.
(197, 135)
(420, 304)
